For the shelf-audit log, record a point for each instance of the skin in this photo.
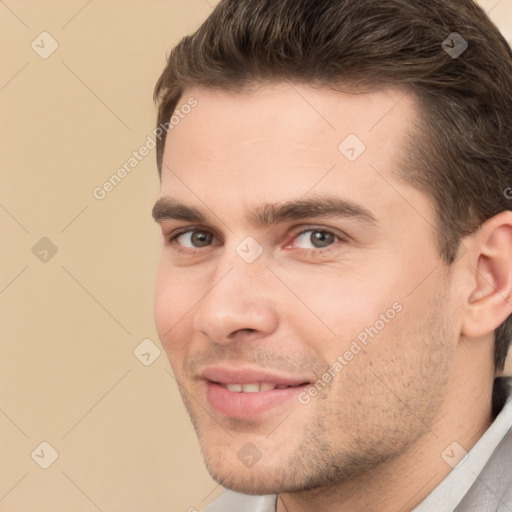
(372, 439)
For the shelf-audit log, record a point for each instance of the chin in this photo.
(255, 484)
(261, 479)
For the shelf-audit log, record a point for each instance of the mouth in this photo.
(254, 388)
(249, 393)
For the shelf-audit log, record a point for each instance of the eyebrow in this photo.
(271, 213)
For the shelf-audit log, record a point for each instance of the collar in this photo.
(450, 492)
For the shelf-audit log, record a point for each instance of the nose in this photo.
(238, 304)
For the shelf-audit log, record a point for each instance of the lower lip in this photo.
(247, 405)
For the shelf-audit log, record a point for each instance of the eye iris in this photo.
(322, 238)
(201, 238)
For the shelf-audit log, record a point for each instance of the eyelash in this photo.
(171, 240)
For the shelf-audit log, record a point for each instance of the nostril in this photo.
(241, 332)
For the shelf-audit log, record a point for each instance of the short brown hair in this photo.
(462, 158)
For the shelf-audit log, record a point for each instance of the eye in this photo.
(193, 239)
(315, 239)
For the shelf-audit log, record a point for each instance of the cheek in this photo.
(349, 315)
(173, 300)
(338, 302)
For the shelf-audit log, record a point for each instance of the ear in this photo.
(490, 300)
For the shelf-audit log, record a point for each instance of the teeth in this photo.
(254, 388)
(250, 388)
(267, 386)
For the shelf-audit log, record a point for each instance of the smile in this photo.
(254, 388)
(249, 393)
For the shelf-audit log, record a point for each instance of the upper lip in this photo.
(247, 375)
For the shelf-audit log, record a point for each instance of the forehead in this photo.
(285, 141)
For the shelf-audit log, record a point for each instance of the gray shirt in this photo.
(481, 482)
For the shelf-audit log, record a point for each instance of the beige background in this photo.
(70, 324)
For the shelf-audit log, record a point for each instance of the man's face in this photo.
(302, 301)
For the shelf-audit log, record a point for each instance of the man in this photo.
(335, 286)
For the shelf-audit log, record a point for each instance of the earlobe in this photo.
(490, 300)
